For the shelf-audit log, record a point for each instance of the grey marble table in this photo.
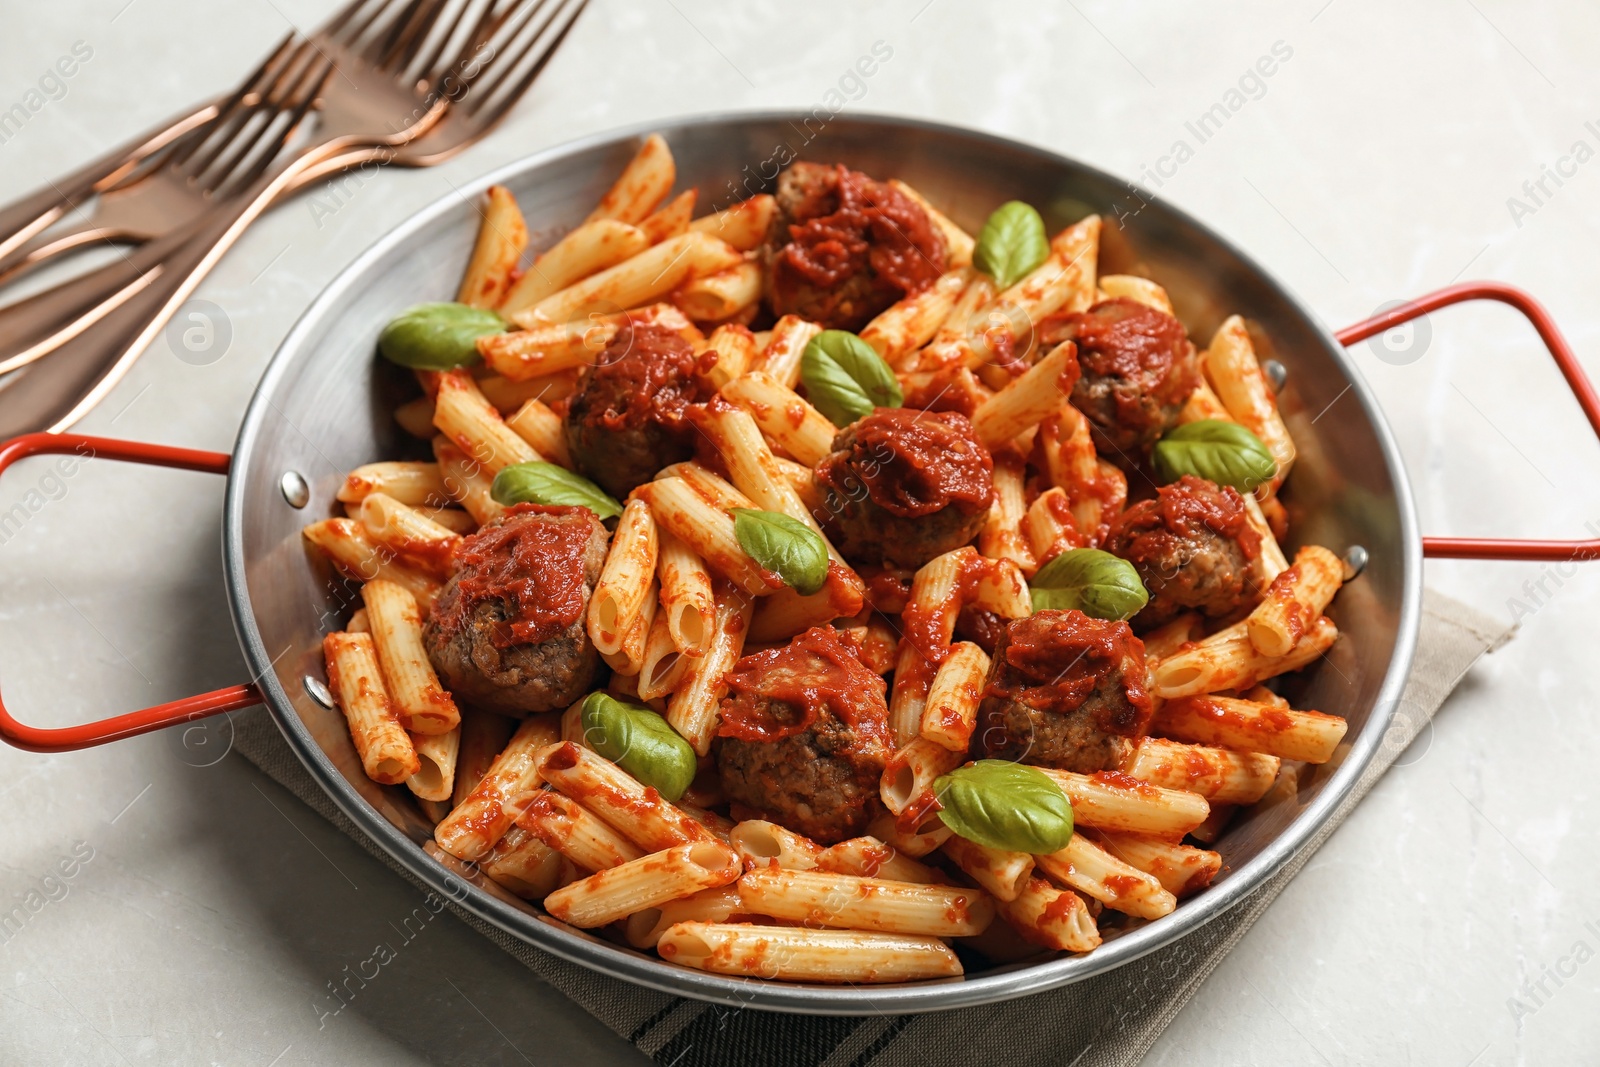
(176, 912)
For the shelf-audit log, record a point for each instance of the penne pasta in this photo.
(1111, 800)
(686, 599)
(354, 679)
(1051, 917)
(670, 219)
(547, 350)
(1181, 869)
(884, 828)
(1270, 561)
(707, 530)
(643, 279)
(416, 417)
(868, 857)
(1132, 287)
(1049, 526)
(1310, 736)
(781, 358)
(911, 770)
(951, 708)
(543, 429)
(1235, 374)
(467, 482)
(744, 225)
(1218, 774)
(483, 735)
(345, 543)
(1002, 536)
(618, 600)
(507, 395)
(477, 823)
(786, 419)
(421, 704)
(411, 483)
(715, 905)
(662, 666)
(525, 865)
(818, 898)
(911, 322)
(722, 295)
(502, 235)
(1296, 598)
(729, 352)
(587, 250)
(644, 183)
(1004, 874)
(1027, 400)
(570, 829)
(436, 758)
(1227, 660)
(472, 424)
(802, 955)
(766, 844)
(1096, 873)
(613, 794)
(693, 709)
(647, 882)
(958, 243)
(409, 533)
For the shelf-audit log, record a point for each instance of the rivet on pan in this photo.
(1355, 561)
(1276, 374)
(295, 489)
(318, 691)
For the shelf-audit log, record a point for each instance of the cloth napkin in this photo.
(1110, 1020)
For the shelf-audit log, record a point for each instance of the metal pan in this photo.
(324, 406)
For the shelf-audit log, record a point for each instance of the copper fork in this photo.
(500, 58)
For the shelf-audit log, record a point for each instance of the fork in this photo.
(55, 393)
(116, 176)
(367, 90)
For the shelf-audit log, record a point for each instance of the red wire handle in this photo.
(1577, 381)
(188, 709)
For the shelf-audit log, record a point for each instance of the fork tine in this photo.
(343, 28)
(517, 16)
(433, 73)
(213, 166)
(306, 93)
(425, 62)
(409, 34)
(236, 100)
(503, 101)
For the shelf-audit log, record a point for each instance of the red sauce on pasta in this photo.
(816, 673)
(864, 225)
(647, 374)
(1159, 529)
(912, 463)
(1056, 659)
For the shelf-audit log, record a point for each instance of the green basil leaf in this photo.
(546, 483)
(1005, 805)
(1012, 243)
(845, 378)
(1096, 583)
(437, 336)
(640, 742)
(1216, 450)
(787, 547)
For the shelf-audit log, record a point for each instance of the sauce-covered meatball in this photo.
(628, 418)
(1192, 545)
(1065, 691)
(804, 736)
(844, 246)
(1138, 369)
(506, 632)
(903, 486)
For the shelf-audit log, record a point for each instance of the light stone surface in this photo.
(1375, 164)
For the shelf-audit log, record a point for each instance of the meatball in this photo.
(628, 418)
(1192, 545)
(903, 486)
(1064, 691)
(844, 246)
(507, 631)
(804, 737)
(1138, 369)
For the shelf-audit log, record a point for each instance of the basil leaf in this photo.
(845, 378)
(787, 547)
(640, 742)
(1011, 244)
(546, 483)
(1005, 805)
(1216, 450)
(437, 336)
(1096, 583)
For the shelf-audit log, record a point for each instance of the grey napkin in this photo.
(1107, 1021)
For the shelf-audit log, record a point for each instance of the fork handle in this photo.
(27, 215)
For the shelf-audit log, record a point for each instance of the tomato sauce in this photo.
(865, 225)
(535, 568)
(646, 375)
(912, 463)
(1056, 659)
(815, 673)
